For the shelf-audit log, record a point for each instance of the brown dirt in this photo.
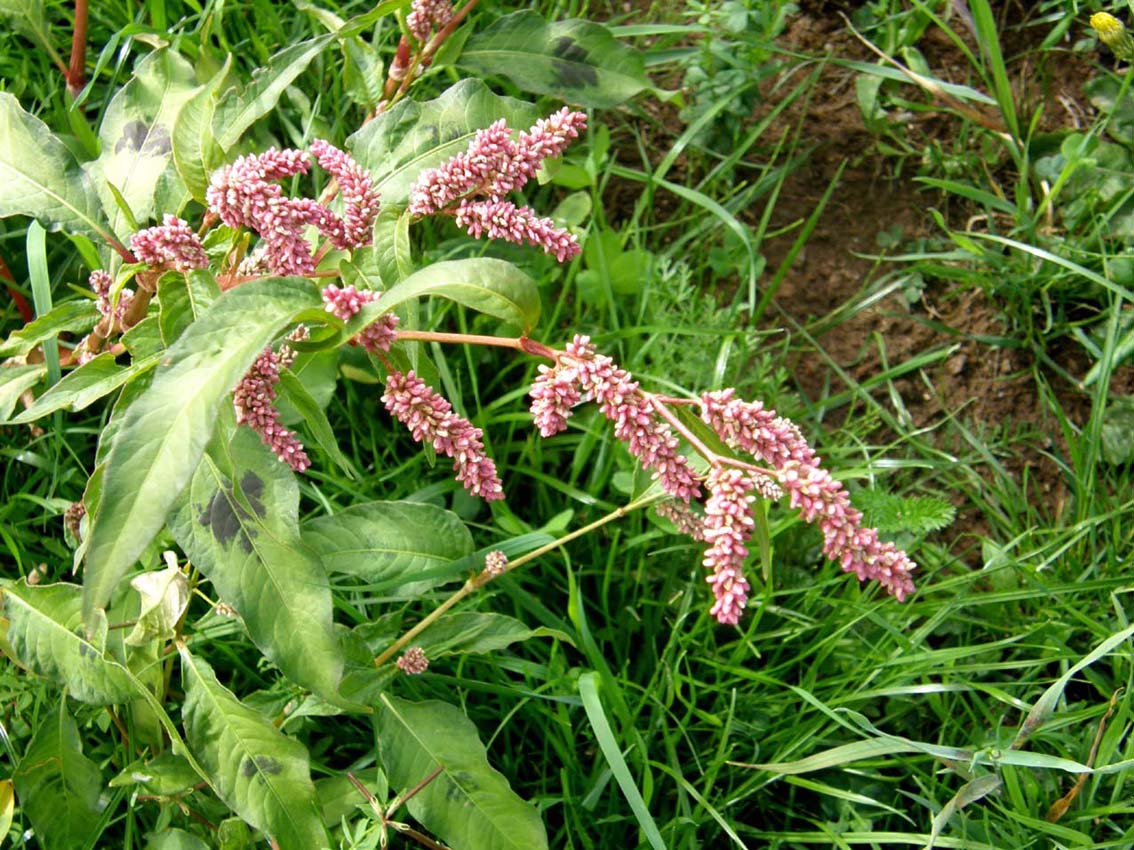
(988, 387)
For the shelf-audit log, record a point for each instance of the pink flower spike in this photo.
(820, 498)
(173, 245)
(728, 525)
(413, 662)
(554, 393)
(504, 220)
(430, 417)
(437, 188)
(546, 140)
(428, 15)
(345, 302)
(359, 197)
(253, 401)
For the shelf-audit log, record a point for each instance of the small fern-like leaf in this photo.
(892, 514)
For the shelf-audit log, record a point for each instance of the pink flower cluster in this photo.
(245, 194)
(428, 15)
(581, 370)
(170, 245)
(254, 399)
(472, 184)
(101, 283)
(822, 500)
(413, 662)
(345, 302)
(430, 417)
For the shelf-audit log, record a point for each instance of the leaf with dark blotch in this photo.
(163, 433)
(40, 178)
(469, 805)
(135, 136)
(578, 61)
(240, 527)
(401, 549)
(400, 144)
(58, 786)
(487, 285)
(45, 634)
(259, 772)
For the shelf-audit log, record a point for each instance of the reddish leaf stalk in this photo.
(77, 71)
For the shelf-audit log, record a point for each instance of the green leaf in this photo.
(260, 773)
(401, 143)
(292, 390)
(84, 386)
(164, 432)
(40, 178)
(164, 598)
(239, 110)
(471, 632)
(469, 804)
(195, 150)
(14, 381)
(399, 548)
(485, 284)
(77, 316)
(7, 805)
(174, 839)
(45, 634)
(58, 786)
(136, 134)
(240, 526)
(183, 300)
(894, 514)
(164, 775)
(575, 60)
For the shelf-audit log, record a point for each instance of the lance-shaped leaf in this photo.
(259, 772)
(484, 284)
(240, 109)
(476, 633)
(578, 61)
(398, 145)
(164, 432)
(399, 548)
(14, 381)
(58, 786)
(77, 316)
(45, 634)
(86, 385)
(184, 299)
(240, 526)
(469, 805)
(40, 178)
(136, 141)
(195, 149)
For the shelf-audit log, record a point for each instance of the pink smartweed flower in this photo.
(413, 661)
(171, 245)
(581, 370)
(245, 194)
(430, 417)
(254, 405)
(728, 525)
(345, 301)
(504, 220)
(495, 563)
(428, 15)
(822, 500)
(101, 283)
(688, 522)
(472, 184)
(360, 200)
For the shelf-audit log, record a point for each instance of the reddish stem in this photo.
(22, 305)
(77, 72)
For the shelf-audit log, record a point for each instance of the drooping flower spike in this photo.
(254, 401)
(170, 245)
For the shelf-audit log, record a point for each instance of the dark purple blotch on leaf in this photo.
(571, 68)
(226, 517)
(141, 137)
(260, 764)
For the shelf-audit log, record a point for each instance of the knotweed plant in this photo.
(207, 324)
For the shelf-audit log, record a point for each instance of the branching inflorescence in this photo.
(712, 503)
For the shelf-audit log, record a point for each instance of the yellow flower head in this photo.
(1114, 35)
